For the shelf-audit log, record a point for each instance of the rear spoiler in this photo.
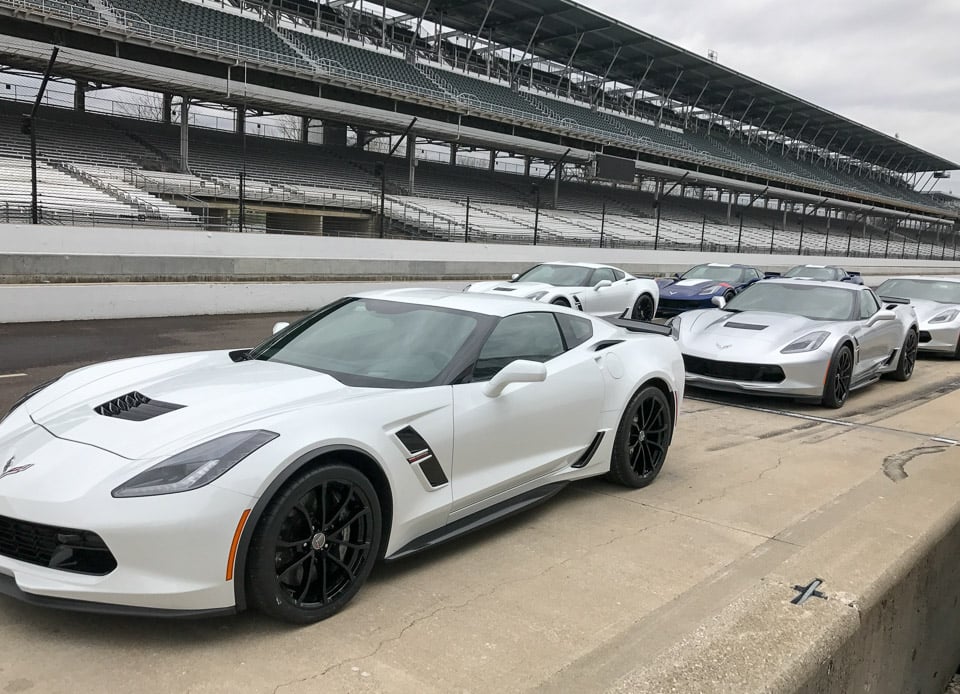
(894, 300)
(769, 275)
(640, 326)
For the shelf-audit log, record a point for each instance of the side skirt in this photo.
(481, 519)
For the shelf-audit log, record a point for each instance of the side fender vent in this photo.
(135, 407)
(422, 456)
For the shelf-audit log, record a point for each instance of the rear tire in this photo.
(908, 357)
(643, 308)
(836, 389)
(315, 545)
(642, 440)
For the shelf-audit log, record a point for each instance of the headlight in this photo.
(946, 316)
(26, 396)
(807, 343)
(536, 296)
(674, 324)
(713, 288)
(195, 467)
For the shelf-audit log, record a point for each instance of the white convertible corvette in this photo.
(381, 425)
(600, 290)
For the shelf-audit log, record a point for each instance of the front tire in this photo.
(643, 308)
(315, 545)
(908, 357)
(643, 438)
(836, 389)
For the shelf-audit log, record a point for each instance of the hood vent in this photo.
(745, 326)
(135, 407)
(504, 289)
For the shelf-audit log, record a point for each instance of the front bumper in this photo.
(803, 375)
(171, 551)
(939, 337)
(668, 308)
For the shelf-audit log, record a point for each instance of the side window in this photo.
(618, 275)
(533, 336)
(576, 330)
(752, 274)
(868, 305)
(601, 274)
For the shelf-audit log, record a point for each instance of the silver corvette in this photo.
(800, 338)
(937, 302)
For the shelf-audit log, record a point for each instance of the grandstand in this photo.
(560, 126)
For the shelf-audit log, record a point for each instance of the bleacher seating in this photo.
(466, 89)
(211, 24)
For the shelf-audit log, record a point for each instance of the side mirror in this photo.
(676, 275)
(718, 301)
(519, 371)
(514, 276)
(278, 327)
(601, 284)
(880, 316)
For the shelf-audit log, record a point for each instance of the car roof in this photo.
(738, 265)
(593, 266)
(794, 281)
(486, 304)
(932, 278)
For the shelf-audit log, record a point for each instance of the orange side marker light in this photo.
(236, 542)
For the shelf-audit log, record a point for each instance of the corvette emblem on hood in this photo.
(719, 346)
(8, 469)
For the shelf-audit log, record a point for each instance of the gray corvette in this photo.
(800, 338)
(937, 302)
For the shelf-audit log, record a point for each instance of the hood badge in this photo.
(719, 346)
(8, 469)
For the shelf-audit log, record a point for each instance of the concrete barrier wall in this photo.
(67, 273)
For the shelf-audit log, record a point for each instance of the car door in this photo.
(530, 429)
(603, 301)
(877, 341)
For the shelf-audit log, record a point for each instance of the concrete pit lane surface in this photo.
(684, 586)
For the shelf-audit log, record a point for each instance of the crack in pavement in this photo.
(726, 489)
(479, 596)
(894, 465)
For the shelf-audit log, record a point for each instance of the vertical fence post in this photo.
(536, 218)
(869, 246)
(800, 246)
(656, 236)
(740, 232)
(466, 223)
(943, 251)
(703, 230)
(886, 248)
(603, 221)
(826, 241)
(773, 233)
(849, 240)
(917, 256)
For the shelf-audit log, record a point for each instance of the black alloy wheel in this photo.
(908, 357)
(643, 308)
(643, 439)
(837, 386)
(315, 545)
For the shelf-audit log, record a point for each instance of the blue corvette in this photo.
(697, 286)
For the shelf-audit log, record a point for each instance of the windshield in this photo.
(717, 273)
(814, 273)
(940, 291)
(558, 275)
(376, 343)
(814, 302)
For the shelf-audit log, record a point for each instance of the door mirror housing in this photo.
(278, 327)
(519, 371)
(514, 277)
(718, 301)
(601, 284)
(881, 316)
(676, 275)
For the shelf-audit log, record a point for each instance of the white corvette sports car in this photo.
(600, 290)
(378, 426)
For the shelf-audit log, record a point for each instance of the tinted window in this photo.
(811, 301)
(603, 274)
(942, 291)
(619, 275)
(868, 304)
(533, 336)
(557, 275)
(717, 273)
(371, 342)
(814, 273)
(576, 330)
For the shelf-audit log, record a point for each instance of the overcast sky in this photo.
(893, 65)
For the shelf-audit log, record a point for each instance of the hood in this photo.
(927, 309)
(518, 289)
(686, 289)
(747, 335)
(192, 397)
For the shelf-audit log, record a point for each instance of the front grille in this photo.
(66, 549)
(925, 336)
(675, 303)
(733, 371)
(135, 407)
